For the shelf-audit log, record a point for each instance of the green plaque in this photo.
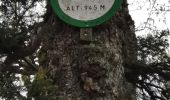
(85, 13)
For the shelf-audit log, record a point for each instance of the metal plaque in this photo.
(85, 13)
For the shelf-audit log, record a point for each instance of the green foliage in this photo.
(42, 88)
(16, 23)
(151, 72)
(13, 27)
(11, 39)
(8, 89)
(154, 46)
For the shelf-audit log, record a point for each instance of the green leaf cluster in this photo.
(42, 88)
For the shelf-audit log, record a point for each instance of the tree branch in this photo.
(26, 51)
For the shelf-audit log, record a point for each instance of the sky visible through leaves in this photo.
(150, 14)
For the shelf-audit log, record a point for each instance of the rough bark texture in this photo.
(91, 69)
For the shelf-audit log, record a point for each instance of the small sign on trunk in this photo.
(85, 13)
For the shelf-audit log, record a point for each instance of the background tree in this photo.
(66, 67)
(152, 67)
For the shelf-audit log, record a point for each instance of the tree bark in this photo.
(90, 69)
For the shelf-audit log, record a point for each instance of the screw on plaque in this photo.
(86, 35)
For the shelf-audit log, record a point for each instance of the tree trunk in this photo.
(90, 67)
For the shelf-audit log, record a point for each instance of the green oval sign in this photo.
(85, 13)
